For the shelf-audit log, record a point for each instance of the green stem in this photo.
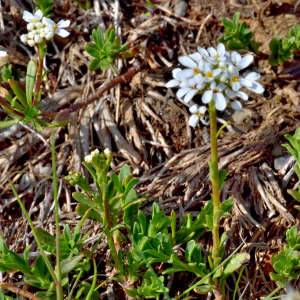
(89, 295)
(57, 229)
(214, 176)
(39, 79)
(45, 258)
(109, 237)
(274, 292)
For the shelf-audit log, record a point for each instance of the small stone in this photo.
(181, 8)
(279, 162)
(277, 150)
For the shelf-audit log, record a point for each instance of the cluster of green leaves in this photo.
(287, 263)
(73, 257)
(45, 6)
(294, 149)
(19, 106)
(282, 48)
(106, 48)
(238, 37)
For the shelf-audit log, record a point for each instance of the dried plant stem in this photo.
(65, 112)
(16, 290)
(214, 176)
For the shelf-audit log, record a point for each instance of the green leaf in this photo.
(81, 209)
(203, 289)
(295, 194)
(280, 280)
(18, 92)
(235, 20)
(173, 269)
(92, 50)
(8, 123)
(45, 237)
(234, 264)
(82, 198)
(227, 23)
(189, 250)
(69, 264)
(222, 176)
(234, 45)
(117, 227)
(95, 64)
(254, 46)
(30, 80)
(125, 171)
(104, 65)
(110, 35)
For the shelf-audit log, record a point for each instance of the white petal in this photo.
(27, 16)
(212, 60)
(203, 121)
(223, 78)
(245, 61)
(220, 102)
(207, 96)
(3, 53)
(38, 15)
(221, 87)
(236, 105)
(181, 92)
(213, 85)
(235, 56)
(206, 68)
(235, 86)
(46, 21)
(184, 84)
(221, 49)
(50, 27)
(187, 62)
(256, 88)
(242, 95)
(203, 52)
(216, 72)
(200, 86)
(193, 109)
(185, 74)
(212, 51)
(192, 81)
(202, 110)
(175, 71)
(229, 93)
(63, 23)
(62, 32)
(199, 78)
(252, 76)
(189, 96)
(196, 56)
(245, 82)
(172, 83)
(193, 120)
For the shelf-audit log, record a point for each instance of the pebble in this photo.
(181, 8)
(279, 162)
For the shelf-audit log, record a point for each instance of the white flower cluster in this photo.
(214, 74)
(41, 28)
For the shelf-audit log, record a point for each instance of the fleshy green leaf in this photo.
(95, 64)
(92, 50)
(30, 80)
(69, 264)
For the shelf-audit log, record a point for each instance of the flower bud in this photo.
(95, 153)
(39, 25)
(4, 57)
(30, 26)
(49, 36)
(24, 38)
(88, 159)
(107, 152)
(31, 43)
(31, 35)
(42, 34)
(38, 39)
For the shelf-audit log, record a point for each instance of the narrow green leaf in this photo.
(82, 198)
(5, 124)
(30, 80)
(18, 92)
(235, 20)
(100, 37)
(69, 264)
(222, 176)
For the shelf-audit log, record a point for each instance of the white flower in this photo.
(88, 159)
(204, 53)
(193, 71)
(236, 81)
(49, 36)
(193, 88)
(239, 62)
(197, 114)
(210, 73)
(3, 53)
(30, 26)
(236, 105)
(255, 86)
(95, 153)
(30, 18)
(216, 94)
(57, 28)
(216, 55)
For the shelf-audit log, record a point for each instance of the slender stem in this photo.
(118, 80)
(89, 295)
(16, 290)
(39, 79)
(214, 176)
(57, 229)
(109, 237)
(274, 292)
(45, 258)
